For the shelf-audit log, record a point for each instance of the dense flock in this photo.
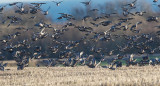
(30, 35)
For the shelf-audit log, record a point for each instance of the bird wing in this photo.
(134, 1)
(83, 2)
(48, 8)
(60, 2)
(54, 2)
(5, 64)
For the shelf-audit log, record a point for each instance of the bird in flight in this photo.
(155, 1)
(86, 3)
(58, 3)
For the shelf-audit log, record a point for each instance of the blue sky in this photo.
(66, 6)
(9, 1)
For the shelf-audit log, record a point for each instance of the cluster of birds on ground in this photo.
(141, 42)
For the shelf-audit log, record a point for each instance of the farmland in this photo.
(81, 76)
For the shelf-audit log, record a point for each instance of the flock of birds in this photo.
(143, 43)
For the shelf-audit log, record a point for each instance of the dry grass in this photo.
(81, 76)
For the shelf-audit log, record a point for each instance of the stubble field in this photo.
(81, 76)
